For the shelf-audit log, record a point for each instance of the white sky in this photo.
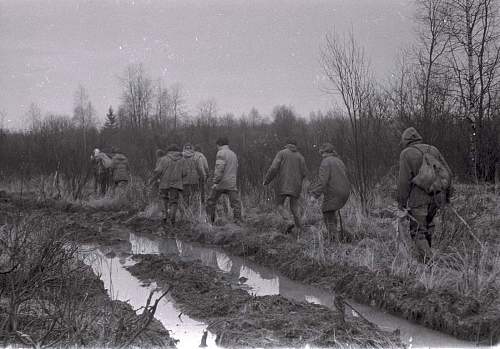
(244, 54)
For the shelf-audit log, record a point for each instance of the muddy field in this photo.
(446, 311)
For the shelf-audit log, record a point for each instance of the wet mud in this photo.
(445, 311)
(241, 320)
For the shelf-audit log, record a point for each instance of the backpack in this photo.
(433, 177)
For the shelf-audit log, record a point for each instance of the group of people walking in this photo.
(185, 173)
(424, 183)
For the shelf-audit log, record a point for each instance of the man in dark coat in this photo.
(195, 173)
(171, 171)
(335, 187)
(120, 167)
(289, 167)
(421, 206)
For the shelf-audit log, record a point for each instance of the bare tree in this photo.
(176, 103)
(474, 56)
(434, 42)
(83, 113)
(137, 95)
(34, 116)
(162, 105)
(347, 69)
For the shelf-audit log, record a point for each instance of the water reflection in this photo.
(122, 285)
(264, 281)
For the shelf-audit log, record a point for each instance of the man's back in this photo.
(226, 169)
(290, 168)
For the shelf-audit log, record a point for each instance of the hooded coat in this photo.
(410, 160)
(172, 170)
(290, 169)
(332, 183)
(194, 170)
(226, 169)
(203, 163)
(121, 170)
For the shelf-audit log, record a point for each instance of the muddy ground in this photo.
(463, 317)
(96, 320)
(241, 320)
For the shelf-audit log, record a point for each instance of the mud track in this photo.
(445, 311)
(241, 320)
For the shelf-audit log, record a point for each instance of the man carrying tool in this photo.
(424, 186)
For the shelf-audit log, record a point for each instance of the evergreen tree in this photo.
(111, 119)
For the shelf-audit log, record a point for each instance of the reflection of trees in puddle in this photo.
(224, 262)
(141, 245)
(121, 285)
(260, 286)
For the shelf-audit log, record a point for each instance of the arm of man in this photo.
(158, 171)
(220, 165)
(323, 178)
(404, 183)
(273, 170)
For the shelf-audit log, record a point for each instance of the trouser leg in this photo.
(330, 219)
(294, 207)
(173, 198)
(202, 191)
(431, 213)
(211, 203)
(280, 202)
(234, 200)
(419, 232)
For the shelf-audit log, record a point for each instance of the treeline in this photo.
(447, 86)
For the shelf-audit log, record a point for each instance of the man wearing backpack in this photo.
(424, 186)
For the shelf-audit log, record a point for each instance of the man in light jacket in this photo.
(289, 168)
(225, 174)
(335, 187)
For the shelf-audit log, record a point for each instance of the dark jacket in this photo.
(290, 168)
(171, 170)
(194, 170)
(332, 183)
(121, 171)
(226, 169)
(410, 160)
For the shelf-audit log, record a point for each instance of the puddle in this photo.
(122, 285)
(262, 281)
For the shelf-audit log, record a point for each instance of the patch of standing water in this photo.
(122, 285)
(262, 281)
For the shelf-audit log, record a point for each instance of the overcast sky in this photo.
(241, 53)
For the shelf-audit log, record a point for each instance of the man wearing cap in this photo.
(171, 171)
(335, 187)
(289, 167)
(225, 175)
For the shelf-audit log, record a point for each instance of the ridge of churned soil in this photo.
(444, 310)
(242, 320)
